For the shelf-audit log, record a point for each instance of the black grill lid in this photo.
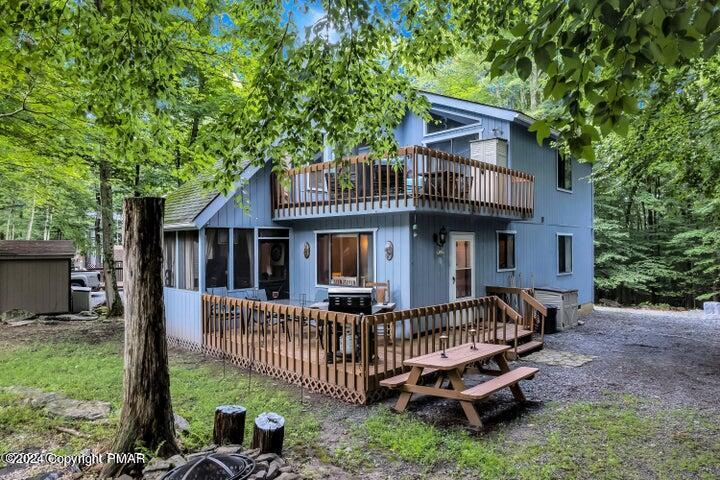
(214, 466)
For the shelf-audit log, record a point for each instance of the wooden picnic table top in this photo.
(457, 356)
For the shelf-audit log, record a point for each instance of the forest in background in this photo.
(66, 137)
(657, 188)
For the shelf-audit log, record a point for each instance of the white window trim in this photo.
(478, 122)
(557, 253)
(557, 160)
(340, 231)
(497, 250)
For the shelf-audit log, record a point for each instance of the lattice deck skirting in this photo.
(312, 384)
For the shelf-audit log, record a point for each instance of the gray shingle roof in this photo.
(36, 249)
(191, 198)
(186, 203)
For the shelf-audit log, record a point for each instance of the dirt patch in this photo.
(90, 331)
(669, 359)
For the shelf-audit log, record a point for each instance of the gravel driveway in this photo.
(671, 358)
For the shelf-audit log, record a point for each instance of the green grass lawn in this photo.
(617, 438)
(94, 372)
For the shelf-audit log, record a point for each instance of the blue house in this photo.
(471, 200)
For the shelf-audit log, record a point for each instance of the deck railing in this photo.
(417, 331)
(523, 300)
(340, 354)
(417, 177)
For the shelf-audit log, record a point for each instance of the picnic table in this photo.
(452, 367)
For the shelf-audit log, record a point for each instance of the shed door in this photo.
(462, 270)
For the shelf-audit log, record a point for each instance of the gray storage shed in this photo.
(35, 275)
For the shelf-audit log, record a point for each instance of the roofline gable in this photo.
(221, 200)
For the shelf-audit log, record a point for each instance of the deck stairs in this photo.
(530, 332)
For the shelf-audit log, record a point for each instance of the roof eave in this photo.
(180, 226)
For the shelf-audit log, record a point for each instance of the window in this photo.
(439, 122)
(315, 181)
(273, 233)
(345, 259)
(188, 260)
(216, 257)
(457, 145)
(169, 259)
(564, 172)
(564, 253)
(505, 251)
(243, 258)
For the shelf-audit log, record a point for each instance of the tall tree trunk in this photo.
(9, 222)
(534, 88)
(146, 418)
(98, 228)
(136, 188)
(28, 235)
(46, 228)
(112, 295)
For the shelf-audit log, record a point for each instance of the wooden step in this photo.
(528, 347)
(498, 383)
(399, 380)
(508, 334)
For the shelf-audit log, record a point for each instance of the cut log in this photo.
(269, 433)
(229, 425)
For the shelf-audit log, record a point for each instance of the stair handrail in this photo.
(508, 310)
(527, 296)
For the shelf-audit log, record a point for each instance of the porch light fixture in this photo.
(440, 238)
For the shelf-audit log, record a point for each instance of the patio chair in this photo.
(382, 295)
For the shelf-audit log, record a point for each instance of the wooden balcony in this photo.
(417, 178)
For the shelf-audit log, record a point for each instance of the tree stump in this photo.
(146, 417)
(269, 433)
(229, 425)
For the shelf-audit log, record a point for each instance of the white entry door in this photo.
(462, 266)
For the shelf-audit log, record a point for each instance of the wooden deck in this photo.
(416, 178)
(292, 342)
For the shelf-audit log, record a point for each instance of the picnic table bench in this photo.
(452, 367)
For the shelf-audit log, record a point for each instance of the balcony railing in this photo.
(415, 178)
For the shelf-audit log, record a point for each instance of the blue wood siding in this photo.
(417, 274)
(182, 314)
(249, 207)
(556, 211)
(390, 227)
(411, 130)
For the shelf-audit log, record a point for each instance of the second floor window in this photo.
(345, 258)
(564, 242)
(564, 172)
(505, 250)
(439, 122)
